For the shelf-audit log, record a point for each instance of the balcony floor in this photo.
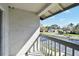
(36, 53)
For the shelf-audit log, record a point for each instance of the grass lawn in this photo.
(47, 33)
(71, 35)
(50, 33)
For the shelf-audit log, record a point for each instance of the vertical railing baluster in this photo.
(48, 47)
(45, 47)
(54, 48)
(29, 51)
(37, 44)
(59, 49)
(40, 44)
(33, 47)
(73, 52)
(65, 50)
(51, 47)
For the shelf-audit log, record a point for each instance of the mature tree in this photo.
(70, 26)
(76, 29)
(55, 26)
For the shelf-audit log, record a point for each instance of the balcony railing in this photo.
(55, 46)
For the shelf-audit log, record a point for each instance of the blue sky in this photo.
(64, 18)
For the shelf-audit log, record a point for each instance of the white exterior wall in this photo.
(22, 25)
(5, 25)
(30, 42)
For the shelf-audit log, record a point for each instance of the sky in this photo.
(64, 18)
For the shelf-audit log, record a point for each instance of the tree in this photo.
(60, 32)
(55, 26)
(70, 27)
(71, 24)
(76, 29)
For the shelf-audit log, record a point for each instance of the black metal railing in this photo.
(52, 46)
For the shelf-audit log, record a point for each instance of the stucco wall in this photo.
(22, 25)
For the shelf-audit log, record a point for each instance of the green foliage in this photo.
(60, 32)
(55, 26)
(69, 29)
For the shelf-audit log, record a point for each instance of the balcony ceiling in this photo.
(32, 7)
(56, 8)
(44, 10)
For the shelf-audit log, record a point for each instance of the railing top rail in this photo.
(61, 41)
